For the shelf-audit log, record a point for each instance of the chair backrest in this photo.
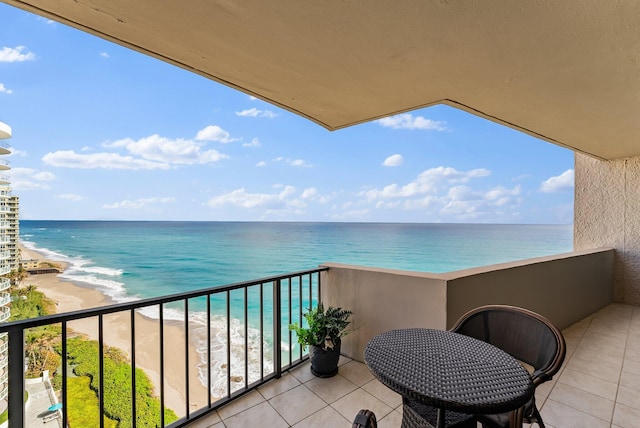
(527, 336)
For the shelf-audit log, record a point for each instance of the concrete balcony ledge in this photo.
(565, 288)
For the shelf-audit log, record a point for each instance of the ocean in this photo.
(131, 260)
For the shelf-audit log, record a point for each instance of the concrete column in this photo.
(607, 214)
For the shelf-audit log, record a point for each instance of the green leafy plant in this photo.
(323, 328)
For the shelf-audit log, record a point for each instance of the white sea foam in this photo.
(83, 271)
(219, 368)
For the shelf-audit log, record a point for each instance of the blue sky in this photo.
(104, 133)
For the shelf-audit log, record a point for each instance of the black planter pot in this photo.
(324, 363)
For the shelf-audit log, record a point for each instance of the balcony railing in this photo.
(261, 309)
(5, 313)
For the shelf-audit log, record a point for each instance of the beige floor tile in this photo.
(324, 418)
(392, 420)
(383, 393)
(584, 401)
(577, 330)
(209, 421)
(559, 415)
(303, 372)
(356, 372)
(615, 328)
(331, 389)
(629, 397)
(597, 357)
(297, 404)
(278, 386)
(262, 415)
(543, 390)
(344, 360)
(588, 383)
(351, 404)
(243, 403)
(630, 380)
(617, 338)
(626, 417)
(631, 366)
(609, 351)
(601, 370)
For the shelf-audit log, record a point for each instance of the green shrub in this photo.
(83, 408)
(83, 355)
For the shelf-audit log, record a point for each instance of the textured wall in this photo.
(607, 214)
(565, 287)
(383, 299)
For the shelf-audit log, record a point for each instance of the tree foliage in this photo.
(83, 356)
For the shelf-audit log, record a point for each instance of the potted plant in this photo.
(323, 335)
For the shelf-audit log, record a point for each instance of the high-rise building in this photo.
(9, 252)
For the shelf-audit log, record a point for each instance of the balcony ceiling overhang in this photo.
(564, 71)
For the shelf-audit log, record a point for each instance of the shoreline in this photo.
(69, 296)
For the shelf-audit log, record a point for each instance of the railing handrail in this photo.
(137, 304)
(308, 294)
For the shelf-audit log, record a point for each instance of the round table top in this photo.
(449, 370)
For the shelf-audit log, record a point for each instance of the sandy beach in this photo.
(69, 296)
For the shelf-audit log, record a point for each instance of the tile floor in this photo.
(598, 386)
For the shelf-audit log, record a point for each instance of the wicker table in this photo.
(448, 371)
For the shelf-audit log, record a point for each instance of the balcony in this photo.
(597, 386)
(273, 386)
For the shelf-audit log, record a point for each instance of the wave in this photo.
(83, 271)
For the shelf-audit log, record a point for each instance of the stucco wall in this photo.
(565, 288)
(607, 214)
(383, 299)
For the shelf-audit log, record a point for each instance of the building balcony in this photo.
(5, 298)
(5, 267)
(596, 386)
(5, 284)
(5, 313)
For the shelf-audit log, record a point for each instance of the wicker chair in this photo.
(527, 336)
(365, 419)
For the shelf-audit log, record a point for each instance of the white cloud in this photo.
(254, 143)
(261, 164)
(17, 54)
(309, 193)
(46, 20)
(559, 183)
(444, 193)
(254, 112)
(164, 150)
(71, 159)
(215, 133)
(393, 160)
(242, 198)
(104, 55)
(4, 89)
(408, 121)
(138, 204)
(293, 162)
(30, 179)
(429, 181)
(70, 197)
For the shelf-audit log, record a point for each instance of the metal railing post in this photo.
(16, 378)
(277, 328)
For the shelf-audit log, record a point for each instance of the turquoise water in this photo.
(144, 259)
(132, 260)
